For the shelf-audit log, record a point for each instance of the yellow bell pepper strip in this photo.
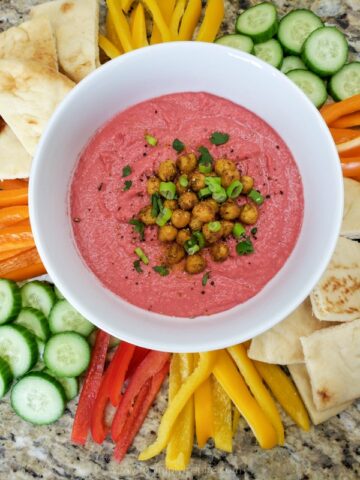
(203, 413)
(234, 385)
(258, 389)
(167, 8)
(131, 20)
(121, 25)
(126, 4)
(111, 33)
(210, 26)
(285, 392)
(178, 451)
(108, 47)
(201, 373)
(236, 420)
(222, 417)
(190, 19)
(158, 19)
(138, 28)
(176, 18)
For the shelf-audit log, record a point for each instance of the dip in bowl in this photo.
(81, 206)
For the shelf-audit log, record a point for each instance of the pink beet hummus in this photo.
(101, 209)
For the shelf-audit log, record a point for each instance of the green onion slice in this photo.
(156, 205)
(162, 270)
(214, 226)
(168, 190)
(256, 197)
(238, 230)
(205, 279)
(164, 216)
(204, 192)
(219, 195)
(141, 254)
(205, 168)
(183, 180)
(234, 189)
(214, 183)
(190, 248)
(151, 140)
(199, 238)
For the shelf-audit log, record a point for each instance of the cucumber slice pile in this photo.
(346, 82)
(295, 28)
(240, 42)
(259, 22)
(313, 87)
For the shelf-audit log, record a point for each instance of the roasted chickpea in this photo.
(224, 164)
(179, 188)
(248, 183)
(188, 200)
(195, 224)
(229, 210)
(195, 264)
(219, 252)
(228, 176)
(180, 218)
(152, 185)
(213, 204)
(171, 204)
(227, 227)
(174, 254)
(146, 217)
(167, 170)
(211, 237)
(197, 181)
(167, 233)
(204, 212)
(187, 163)
(249, 214)
(183, 236)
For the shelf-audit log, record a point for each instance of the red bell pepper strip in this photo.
(150, 366)
(140, 409)
(90, 389)
(139, 355)
(113, 377)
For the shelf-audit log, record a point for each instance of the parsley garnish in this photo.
(253, 231)
(126, 171)
(205, 279)
(137, 266)
(205, 157)
(161, 270)
(178, 145)
(218, 138)
(245, 247)
(156, 205)
(139, 227)
(127, 186)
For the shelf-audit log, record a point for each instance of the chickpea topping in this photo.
(204, 212)
(171, 204)
(197, 181)
(167, 170)
(167, 233)
(188, 200)
(229, 176)
(227, 227)
(211, 237)
(174, 254)
(179, 188)
(229, 210)
(146, 217)
(213, 204)
(247, 182)
(153, 185)
(249, 214)
(183, 236)
(222, 165)
(180, 218)
(187, 163)
(195, 264)
(195, 224)
(219, 252)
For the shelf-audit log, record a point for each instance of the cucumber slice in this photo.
(346, 82)
(10, 300)
(38, 295)
(325, 51)
(18, 348)
(58, 294)
(295, 28)
(259, 22)
(292, 63)
(41, 348)
(6, 377)
(240, 42)
(38, 398)
(64, 318)
(313, 87)
(271, 52)
(67, 354)
(69, 384)
(35, 321)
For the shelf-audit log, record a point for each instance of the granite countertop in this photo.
(329, 451)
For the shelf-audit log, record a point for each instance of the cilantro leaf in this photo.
(219, 138)
(128, 185)
(253, 231)
(178, 145)
(205, 157)
(137, 266)
(205, 279)
(156, 205)
(162, 270)
(139, 227)
(126, 171)
(245, 247)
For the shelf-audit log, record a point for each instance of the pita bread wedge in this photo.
(337, 296)
(302, 381)
(15, 162)
(351, 220)
(281, 344)
(29, 94)
(76, 26)
(332, 358)
(32, 40)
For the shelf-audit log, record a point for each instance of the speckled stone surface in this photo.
(330, 451)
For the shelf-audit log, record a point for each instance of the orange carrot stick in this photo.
(13, 184)
(22, 260)
(22, 223)
(11, 215)
(26, 272)
(351, 169)
(351, 120)
(348, 146)
(12, 253)
(337, 110)
(341, 135)
(16, 237)
(18, 196)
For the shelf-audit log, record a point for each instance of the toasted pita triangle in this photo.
(302, 381)
(351, 220)
(76, 26)
(15, 162)
(337, 296)
(32, 40)
(29, 94)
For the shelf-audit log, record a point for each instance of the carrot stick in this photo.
(11, 215)
(350, 159)
(22, 260)
(16, 237)
(22, 223)
(341, 135)
(26, 272)
(351, 169)
(339, 109)
(13, 184)
(353, 152)
(12, 253)
(18, 196)
(351, 120)
(348, 146)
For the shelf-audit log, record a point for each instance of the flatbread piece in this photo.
(351, 220)
(15, 162)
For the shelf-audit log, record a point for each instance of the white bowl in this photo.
(181, 67)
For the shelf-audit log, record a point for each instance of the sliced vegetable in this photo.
(203, 413)
(256, 197)
(346, 82)
(18, 196)
(349, 146)
(6, 377)
(16, 236)
(351, 169)
(270, 51)
(18, 348)
(58, 294)
(10, 301)
(111, 33)
(313, 87)
(12, 253)
(295, 27)
(35, 321)
(166, 8)
(238, 41)
(158, 19)
(238, 230)
(164, 216)
(138, 32)
(189, 20)
(24, 273)
(341, 135)
(292, 63)
(259, 22)
(13, 184)
(11, 215)
(335, 111)
(222, 417)
(176, 18)
(214, 14)
(69, 384)
(168, 190)
(64, 318)
(120, 24)
(26, 258)
(38, 295)
(108, 47)
(236, 420)
(67, 354)
(351, 120)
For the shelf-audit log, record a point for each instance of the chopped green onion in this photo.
(218, 138)
(199, 238)
(126, 171)
(205, 168)
(183, 180)
(161, 270)
(190, 248)
(256, 197)
(205, 160)
(137, 266)
(151, 140)
(253, 231)
(156, 205)
(205, 279)
(178, 145)
(214, 183)
(128, 185)
(168, 190)
(164, 216)
(234, 189)
(141, 254)
(238, 230)
(220, 195)
(245, 247)
(139, 227)
(214, 226)
(204, 192)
